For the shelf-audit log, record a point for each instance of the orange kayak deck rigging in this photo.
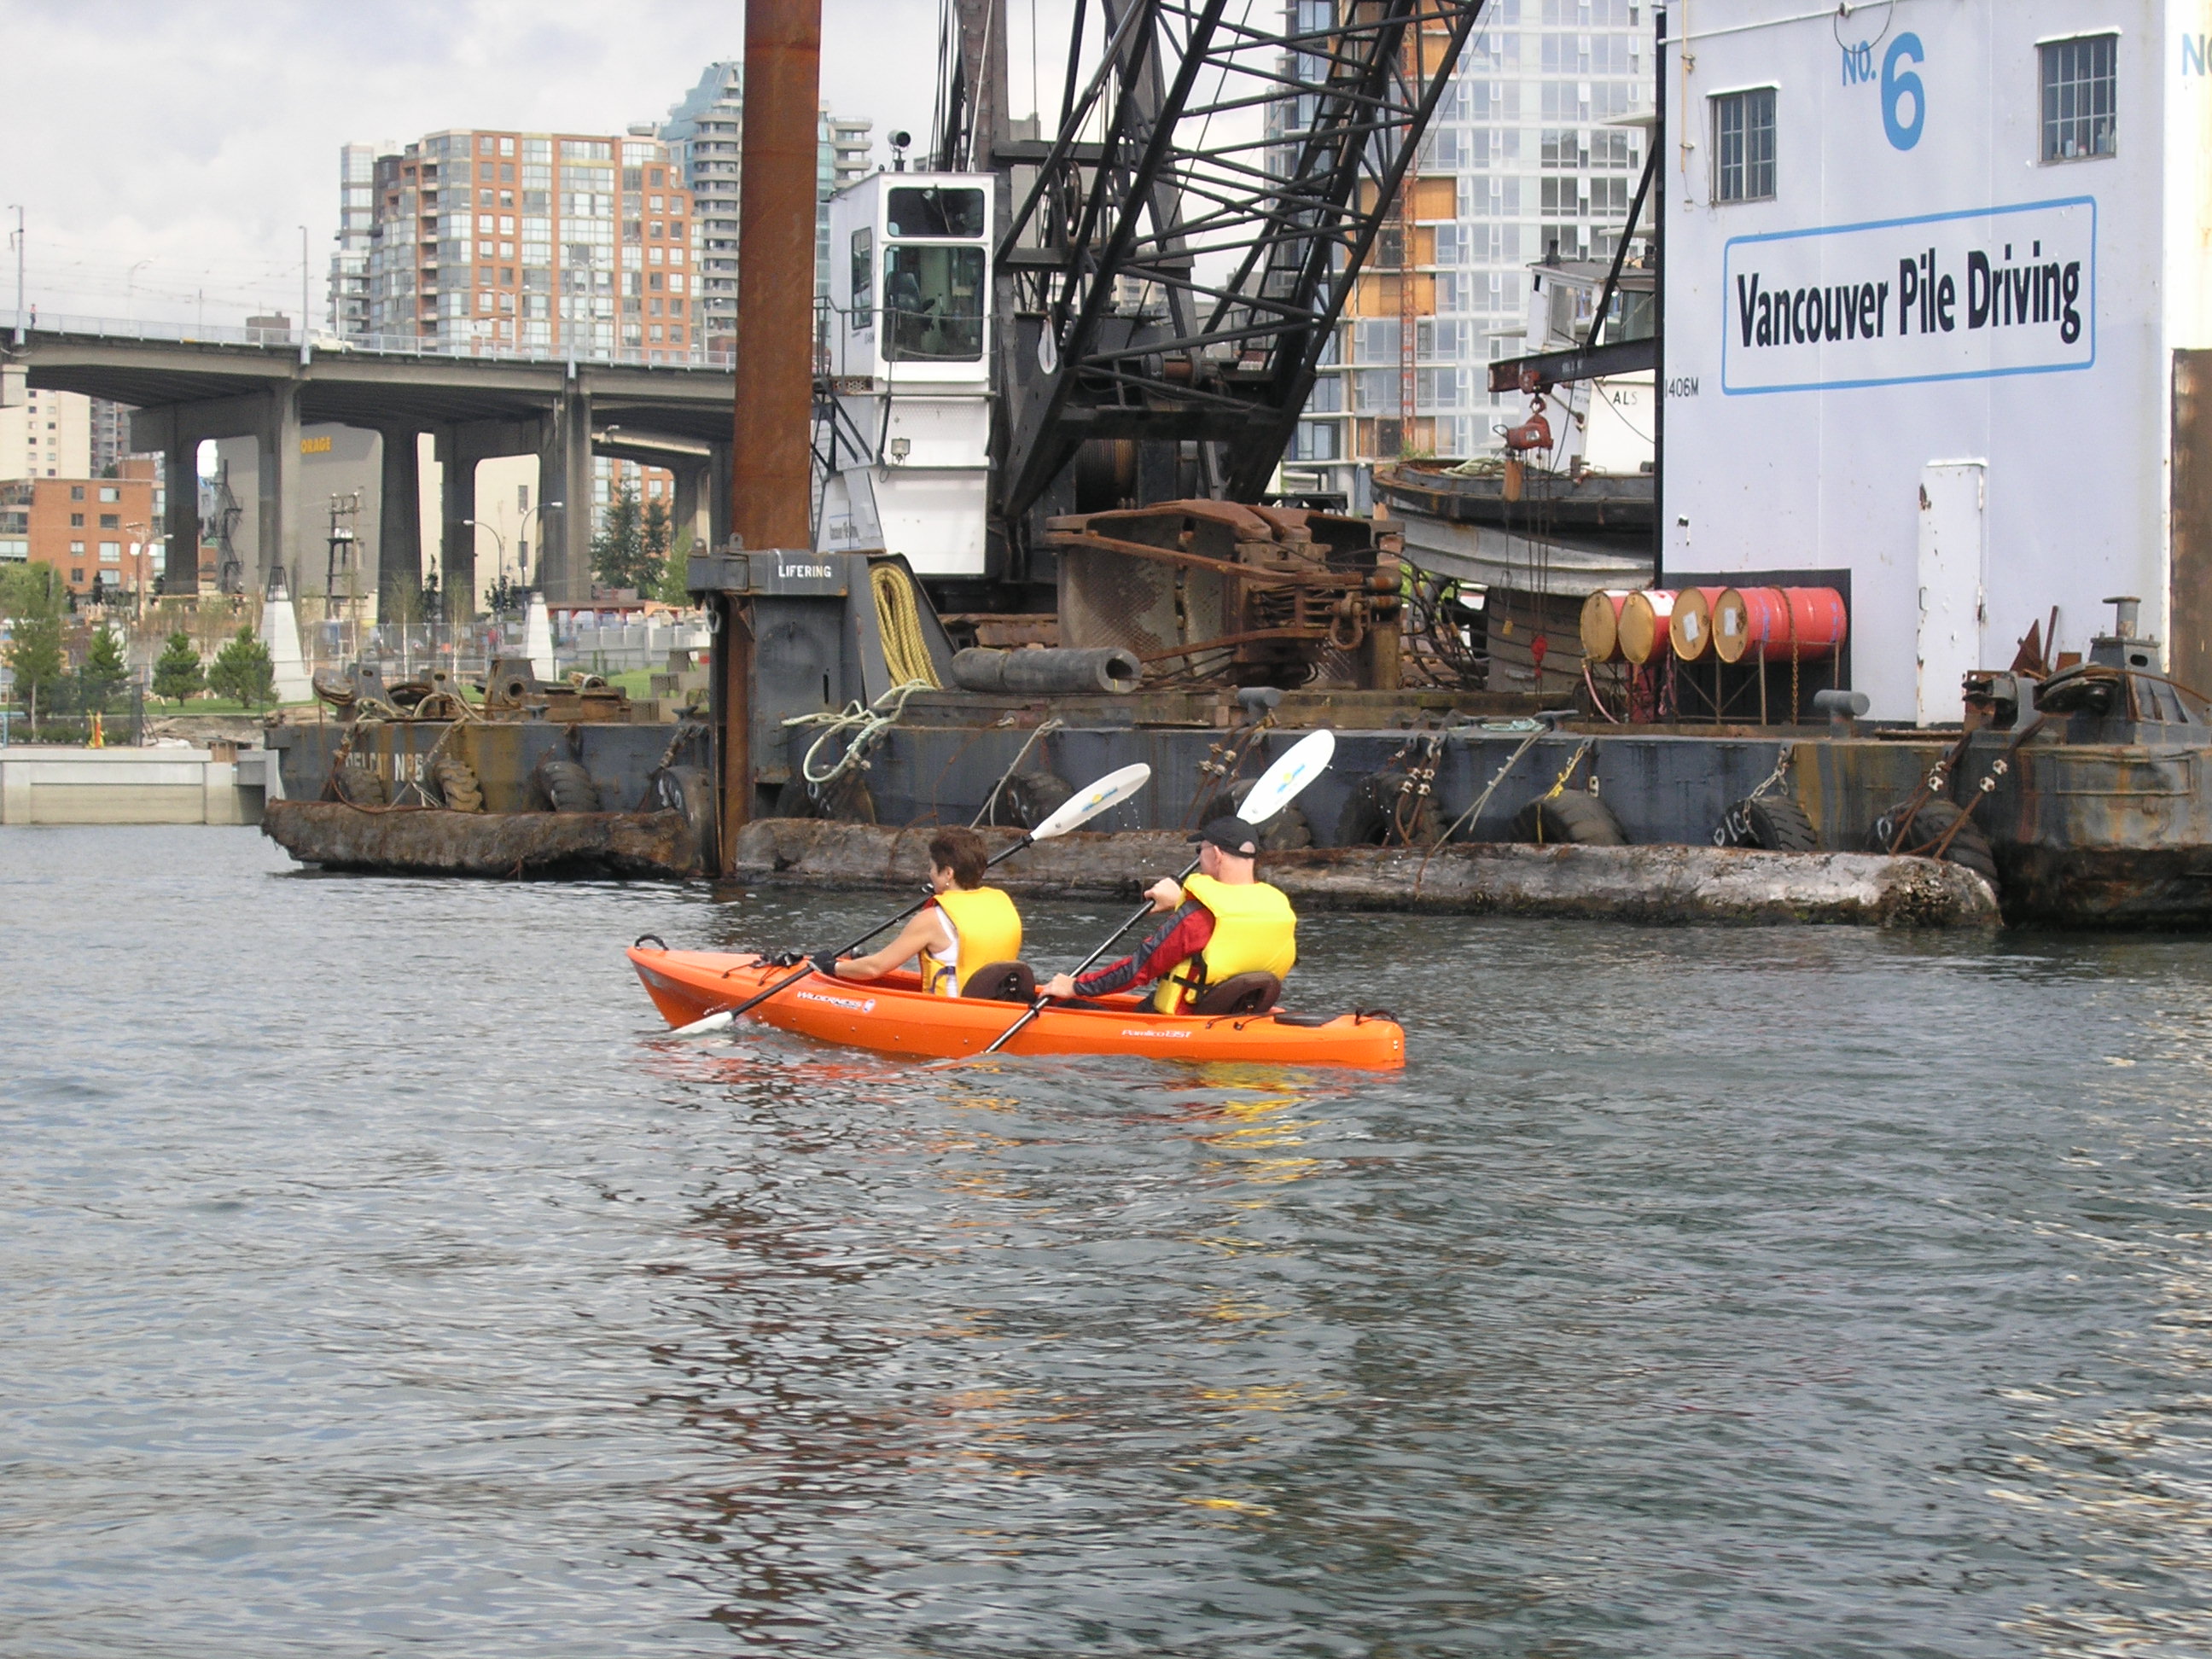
(894, 1015)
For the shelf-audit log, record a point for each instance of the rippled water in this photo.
(379, 1278)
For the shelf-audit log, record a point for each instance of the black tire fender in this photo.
(458, 785)
(1288, 831)
(1372, 812)
(1572, 819)
(1774, 824)
(846, 801)
(565, 786)
(1969, 846)
(1027, 800)
(690, 790)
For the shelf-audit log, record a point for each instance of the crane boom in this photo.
(1175, 259)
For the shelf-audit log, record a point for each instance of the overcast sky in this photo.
(166, 152)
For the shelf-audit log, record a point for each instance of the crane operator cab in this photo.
(901, 442)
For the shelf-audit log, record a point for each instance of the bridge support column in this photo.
(179, 440)
(398, 525)
(695, 481)
(277, 439)
(565, 475)
(457, 540)
(180, 483)
(717, 500)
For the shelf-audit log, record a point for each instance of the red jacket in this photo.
(1182, 935)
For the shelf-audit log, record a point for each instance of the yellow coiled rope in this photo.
(898, 613)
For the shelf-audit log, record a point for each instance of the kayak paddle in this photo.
(1298, 766)
(1077, 809)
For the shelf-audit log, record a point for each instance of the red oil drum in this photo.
(1644, 619)
(1773, 624)
(1601, 625)
(1690, 626)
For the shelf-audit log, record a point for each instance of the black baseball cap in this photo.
(1231, 835)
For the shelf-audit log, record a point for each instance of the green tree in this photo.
(104, 670)
(31, 589)
(34, 652)
(676, 572)
(243, 672)
(177, 672)
(623, 555)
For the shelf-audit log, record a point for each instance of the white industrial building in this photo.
(1934, 280)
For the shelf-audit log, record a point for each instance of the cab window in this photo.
(934, 212)
(933, 304)
(864, 279)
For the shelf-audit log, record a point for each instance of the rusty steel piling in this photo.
(768, 455)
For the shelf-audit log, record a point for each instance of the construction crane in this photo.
(1173, 260)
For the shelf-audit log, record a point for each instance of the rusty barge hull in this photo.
(2110, 828)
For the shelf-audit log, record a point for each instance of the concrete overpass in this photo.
(189, 385)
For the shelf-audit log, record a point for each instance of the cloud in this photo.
(166, 156)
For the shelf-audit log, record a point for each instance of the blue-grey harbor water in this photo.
(380, 1278)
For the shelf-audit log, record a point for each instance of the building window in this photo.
(110, 493)
(110, 552)
(77, 521)
(1743, 145)
(77, 492)
(2081, 93)
(111, 521)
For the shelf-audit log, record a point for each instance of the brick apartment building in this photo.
(97, 532)
(529, 242)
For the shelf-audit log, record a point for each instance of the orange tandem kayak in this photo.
(895, 1016)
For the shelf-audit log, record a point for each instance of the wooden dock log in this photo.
(429, 841)
(1671, 884)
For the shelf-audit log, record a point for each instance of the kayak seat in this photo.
(1240, 994)
(1001, 981)
(1310, 1022)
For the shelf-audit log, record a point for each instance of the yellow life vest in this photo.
(1254, 931)
(989, 930)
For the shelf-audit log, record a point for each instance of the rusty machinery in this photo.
(1216, 592)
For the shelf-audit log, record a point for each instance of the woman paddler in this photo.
(965, 926)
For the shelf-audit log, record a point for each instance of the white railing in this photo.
(382, 345)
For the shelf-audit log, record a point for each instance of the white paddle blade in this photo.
(1278, 786)
(1085, 804)
(711, 1023)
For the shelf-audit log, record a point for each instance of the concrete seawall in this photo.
(1657, 883)
(41, 785)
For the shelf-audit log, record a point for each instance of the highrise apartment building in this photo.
(47, 435)
(534, 242)
(844, 157)
(704, 132)
(1536, 145)
(355, 237)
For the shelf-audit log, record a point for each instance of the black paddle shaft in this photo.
(1082, 967)
(912, 910)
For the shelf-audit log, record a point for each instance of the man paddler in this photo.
(1221, 922)
(964, 927)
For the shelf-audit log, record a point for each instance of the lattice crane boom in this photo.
(1169, 273)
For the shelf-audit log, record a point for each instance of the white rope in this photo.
(866, 725)
(1055, 724)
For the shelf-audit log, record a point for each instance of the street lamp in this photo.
(129, 291)
(478, 524)
(522, 545)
